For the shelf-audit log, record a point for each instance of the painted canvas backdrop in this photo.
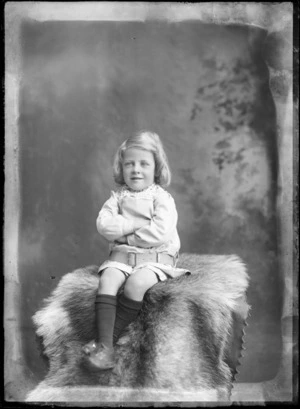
(203, 88)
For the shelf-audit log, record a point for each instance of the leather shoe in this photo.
(102, 357)
(89, 347)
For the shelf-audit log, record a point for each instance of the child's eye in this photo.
(145, 164)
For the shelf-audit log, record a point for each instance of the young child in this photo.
(139, 221)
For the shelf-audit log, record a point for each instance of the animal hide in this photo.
(184, 345)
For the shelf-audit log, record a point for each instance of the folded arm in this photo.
(112, 225)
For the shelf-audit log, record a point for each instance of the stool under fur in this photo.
(186, 339)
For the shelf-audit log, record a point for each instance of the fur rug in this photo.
(186, 341)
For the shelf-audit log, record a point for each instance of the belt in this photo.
(133, 259)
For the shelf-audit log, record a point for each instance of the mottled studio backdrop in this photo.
(85, 87)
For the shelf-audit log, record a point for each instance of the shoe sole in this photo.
(95, 367)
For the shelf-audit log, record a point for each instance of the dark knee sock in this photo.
(105, 308)
(127, 311)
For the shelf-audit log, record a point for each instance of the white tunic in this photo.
(118, 219)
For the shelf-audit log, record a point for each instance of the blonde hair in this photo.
(148, 141)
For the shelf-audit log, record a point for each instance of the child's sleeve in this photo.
(110, 223)
(161, 226)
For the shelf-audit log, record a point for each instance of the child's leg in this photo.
(105, 305)
(101, 355)
(131, 300)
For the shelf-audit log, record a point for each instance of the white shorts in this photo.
(162, 271)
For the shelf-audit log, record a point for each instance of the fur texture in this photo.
(187, 338)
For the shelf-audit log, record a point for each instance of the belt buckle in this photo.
(131, 259)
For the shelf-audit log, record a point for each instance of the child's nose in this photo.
(136, 167)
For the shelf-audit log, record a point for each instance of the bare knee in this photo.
(110, 281)
(138, 283)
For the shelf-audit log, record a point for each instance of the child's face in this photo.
(138, 168)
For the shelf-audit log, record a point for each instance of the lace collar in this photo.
(148, 192)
